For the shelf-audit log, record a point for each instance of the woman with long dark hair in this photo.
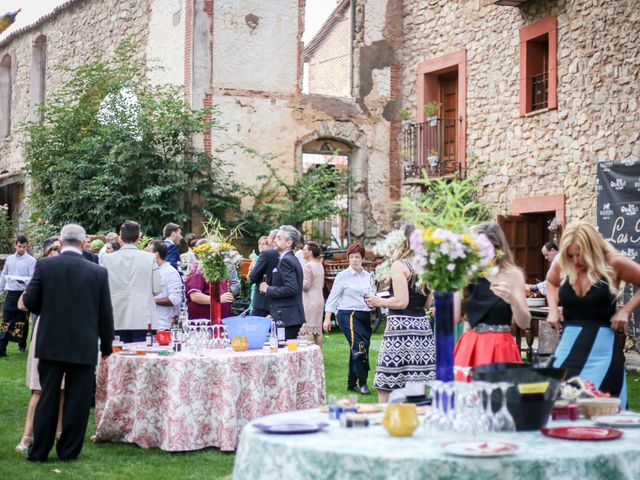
(491, 304)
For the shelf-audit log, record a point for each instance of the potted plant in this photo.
(404, 115)
(432, 158)
(431, 112)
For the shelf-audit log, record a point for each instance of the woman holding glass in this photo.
(347, 302)
(491, 304)
(585, 282)
(407, 352)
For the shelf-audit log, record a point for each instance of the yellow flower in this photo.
(469, 240)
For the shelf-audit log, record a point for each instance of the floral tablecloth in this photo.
(187, 402)
(339, 453)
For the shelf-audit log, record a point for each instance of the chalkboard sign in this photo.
(618, 186)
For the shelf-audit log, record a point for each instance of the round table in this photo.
(187, 402)
(340, 453)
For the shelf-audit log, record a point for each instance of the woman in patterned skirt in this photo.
(407, 352)
(585, 282)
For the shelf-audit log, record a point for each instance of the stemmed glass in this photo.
(433, 416)
(503, 419)
(484, 411)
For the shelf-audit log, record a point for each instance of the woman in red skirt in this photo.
(491, 304)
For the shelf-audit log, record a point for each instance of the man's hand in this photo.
(263, 288)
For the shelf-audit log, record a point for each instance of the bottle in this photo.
(149, 335)
(273, 338)
(280, 330)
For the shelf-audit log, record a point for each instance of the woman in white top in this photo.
(347, 302)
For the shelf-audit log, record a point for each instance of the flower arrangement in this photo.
(386, 247)
(448, 261)
(215, 257)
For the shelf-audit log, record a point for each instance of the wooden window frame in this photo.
(545, 27)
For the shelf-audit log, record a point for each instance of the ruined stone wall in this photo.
(330, 64)
(73, 32)
(552, 152)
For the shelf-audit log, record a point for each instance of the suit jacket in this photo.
(267, 261)
(92, 257)
(72, 298)
(134, 279)
(173, 254)
(285, 292)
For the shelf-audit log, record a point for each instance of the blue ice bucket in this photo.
(254, 328)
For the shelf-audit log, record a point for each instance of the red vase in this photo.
(216, 306)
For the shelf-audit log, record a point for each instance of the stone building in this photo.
(247, 58)
(530, 98)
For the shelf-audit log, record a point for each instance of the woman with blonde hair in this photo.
(407, 352)
(491, 304)
(585, 282)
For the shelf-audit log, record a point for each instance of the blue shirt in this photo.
(348, 291)
(173, 255)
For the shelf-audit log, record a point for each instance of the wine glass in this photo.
(503, 419)
(485, 419)
(432, 417)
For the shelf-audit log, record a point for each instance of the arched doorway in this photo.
(335, 231)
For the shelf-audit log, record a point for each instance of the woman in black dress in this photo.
(585, 282)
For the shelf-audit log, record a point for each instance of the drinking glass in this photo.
(503, 419)
(433, 416)
(484, 411)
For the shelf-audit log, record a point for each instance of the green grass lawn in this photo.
(115, 461)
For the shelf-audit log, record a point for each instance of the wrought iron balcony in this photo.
(431, 146)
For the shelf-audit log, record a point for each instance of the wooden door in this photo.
(448, 114)
(525, 235)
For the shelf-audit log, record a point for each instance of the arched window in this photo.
(38, 76)
(5, 96)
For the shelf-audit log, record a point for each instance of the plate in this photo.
(582, 433)
(291, 428)
(480, 449)
(628, 420)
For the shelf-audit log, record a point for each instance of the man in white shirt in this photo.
(550, 253)
(18, 270)
(134, 280)
(169, 299)
(109, 238)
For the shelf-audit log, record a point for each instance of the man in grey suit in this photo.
(134, 280)
(285, 292)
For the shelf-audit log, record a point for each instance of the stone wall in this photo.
(73, 32)
(552, 152)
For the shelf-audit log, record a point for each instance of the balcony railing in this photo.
(431, 146)
(539, 91)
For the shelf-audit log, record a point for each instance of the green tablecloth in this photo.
(339, 453)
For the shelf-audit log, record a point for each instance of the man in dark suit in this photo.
(72, 298)
(285, 291)
(172, 237)
(267, 261)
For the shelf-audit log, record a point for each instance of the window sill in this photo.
(537, 112)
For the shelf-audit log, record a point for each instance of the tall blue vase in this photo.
(445, 335)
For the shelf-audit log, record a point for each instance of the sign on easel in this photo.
(618, 187)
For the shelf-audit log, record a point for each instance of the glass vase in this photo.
(216, 306)
(444, 333)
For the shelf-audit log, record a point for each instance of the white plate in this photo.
(622, 421)
(480, 449)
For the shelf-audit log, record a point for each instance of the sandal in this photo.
(24, 444)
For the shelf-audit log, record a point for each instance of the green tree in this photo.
(113, 146)
(310, 196)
